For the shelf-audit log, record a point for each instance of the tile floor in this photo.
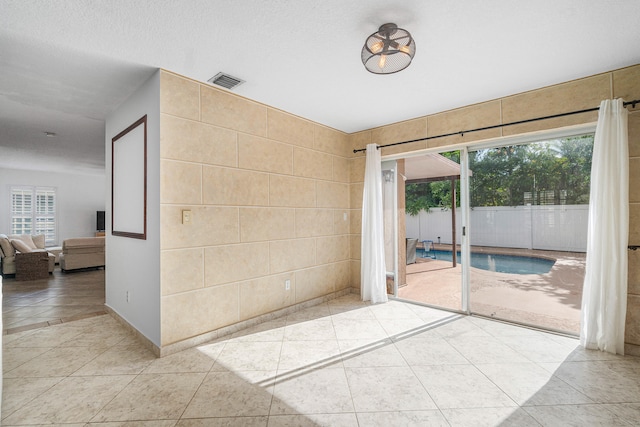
(342, 363)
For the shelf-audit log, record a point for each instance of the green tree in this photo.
(435, 194)
(555, 171)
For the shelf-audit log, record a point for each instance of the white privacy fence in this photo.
(559, 228)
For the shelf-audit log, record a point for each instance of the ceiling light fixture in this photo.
(388, 50)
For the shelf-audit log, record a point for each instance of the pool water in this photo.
(500, 263)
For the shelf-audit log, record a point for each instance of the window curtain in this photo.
(372, 266)
(1, 328)
(604, 298)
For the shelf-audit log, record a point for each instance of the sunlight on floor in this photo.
(341, 363)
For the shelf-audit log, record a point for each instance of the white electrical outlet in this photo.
(127, 296)
(287, 285)
(344, 216)
(186, 216)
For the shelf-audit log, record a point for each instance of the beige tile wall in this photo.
(570, 96)
(269, 195)
(626, 85)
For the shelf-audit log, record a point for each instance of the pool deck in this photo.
(551, 300)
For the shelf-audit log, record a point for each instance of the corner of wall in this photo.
(133, 265)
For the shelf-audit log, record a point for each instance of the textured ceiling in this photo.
(65, 65)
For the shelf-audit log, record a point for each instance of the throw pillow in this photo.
(38, 240)
(7, 248)
(28, 240)
(20, 245)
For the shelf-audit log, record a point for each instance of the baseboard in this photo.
(146, 342)
(224, 331)
(631, 349)
(231, 329)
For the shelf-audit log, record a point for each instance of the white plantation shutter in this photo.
(21, 210)
(46, 214)
(33, 211)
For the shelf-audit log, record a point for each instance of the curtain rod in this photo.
(462, 132)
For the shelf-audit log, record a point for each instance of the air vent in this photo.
(225, 80)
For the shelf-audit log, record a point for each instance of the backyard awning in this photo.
(430, 167)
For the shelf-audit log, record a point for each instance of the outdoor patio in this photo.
(550, 300)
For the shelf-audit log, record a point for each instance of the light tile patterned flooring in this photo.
(342, 363)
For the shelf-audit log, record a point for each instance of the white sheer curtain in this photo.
(604, 298)
(1, 328)
(373, 279)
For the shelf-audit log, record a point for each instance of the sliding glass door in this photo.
(528, 222)
(433, 229)
(496, 229)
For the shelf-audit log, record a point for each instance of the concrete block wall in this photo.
(269, 199)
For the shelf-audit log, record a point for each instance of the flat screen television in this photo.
(100, 221)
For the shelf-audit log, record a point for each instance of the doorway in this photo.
(522, 201)
(433, 231)
(528, 232)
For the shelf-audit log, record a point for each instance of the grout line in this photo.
(60, 321)
(611, 86)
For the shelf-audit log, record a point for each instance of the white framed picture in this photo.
(129, 181)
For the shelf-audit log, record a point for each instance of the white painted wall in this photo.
(133, 265)
(78, 198)
(560, 228)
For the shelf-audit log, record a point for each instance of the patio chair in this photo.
(428, 249)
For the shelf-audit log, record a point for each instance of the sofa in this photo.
(24, 243)
(82, 252)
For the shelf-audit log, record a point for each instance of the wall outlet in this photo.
(287, 285)
(128, 296)
(344, 216)
(186, 216)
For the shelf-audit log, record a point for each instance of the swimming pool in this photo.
(500, 263)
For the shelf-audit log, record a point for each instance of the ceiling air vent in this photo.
(225, 80)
